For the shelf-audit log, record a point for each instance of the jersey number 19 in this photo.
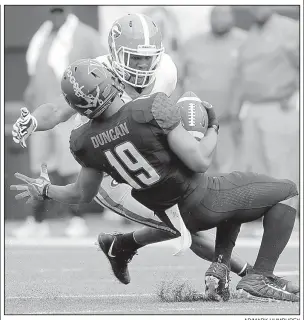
(129, 155)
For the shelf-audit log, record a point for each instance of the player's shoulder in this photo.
(165, 76)
(157, 109)
(149, 101)
(106, 59)
(167, 62)
(165, 112)
(167, 67)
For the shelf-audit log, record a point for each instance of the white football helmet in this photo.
(135, 34)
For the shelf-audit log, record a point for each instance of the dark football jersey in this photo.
(132, 147)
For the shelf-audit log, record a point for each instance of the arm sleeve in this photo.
(165, 113)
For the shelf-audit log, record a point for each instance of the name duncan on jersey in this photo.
(110, 135)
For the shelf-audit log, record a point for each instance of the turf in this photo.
(63, 279)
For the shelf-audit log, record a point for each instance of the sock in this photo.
(127, 242)
(226, 235)
(245, 270)
(278, 224)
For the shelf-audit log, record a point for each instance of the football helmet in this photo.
(135, 35)
(89, 87)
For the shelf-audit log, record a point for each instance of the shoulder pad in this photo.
(141, 108)
(165, 112)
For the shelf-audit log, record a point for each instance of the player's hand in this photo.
(212, 119)
(24, 127)
(35, 189)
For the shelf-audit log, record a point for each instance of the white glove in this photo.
(24, 127)
(35, 189)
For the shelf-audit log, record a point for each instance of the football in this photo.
(193, 114)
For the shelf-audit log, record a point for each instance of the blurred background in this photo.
(242, 59)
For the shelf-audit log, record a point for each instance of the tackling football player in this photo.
(142, 143)
(138, 59)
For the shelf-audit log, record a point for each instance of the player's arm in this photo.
(82, 190)
(45, 117)
(197, 155)
(49, 115)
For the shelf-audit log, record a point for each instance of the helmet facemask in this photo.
(132, 76)
(135, 35)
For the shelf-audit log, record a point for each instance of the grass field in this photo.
(58, 276)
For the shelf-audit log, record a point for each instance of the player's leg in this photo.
(118, 198)
(126, 245)
(278, 224)
(217, 276)
(244, 197)
(203, 246)
(120, 248)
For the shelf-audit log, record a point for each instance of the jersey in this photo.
(165, 78)
(132, 148)
(117, 197)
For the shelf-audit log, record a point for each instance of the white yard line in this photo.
(99, 296)
(90, 242)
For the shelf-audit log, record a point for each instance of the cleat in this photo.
(285, 284)
(260, 287)
(217, 282)
(119, 259)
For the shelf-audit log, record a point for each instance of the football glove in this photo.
(35, 189)
(24, 127)
(212, 119)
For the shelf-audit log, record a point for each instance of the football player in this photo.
(137, 57)
(143, 144)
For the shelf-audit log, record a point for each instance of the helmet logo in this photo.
(116, 31)
(77, 89)
(90, 99)
(95, 65)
